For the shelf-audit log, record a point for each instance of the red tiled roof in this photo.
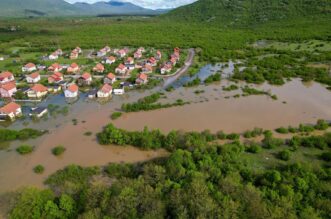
(99, 67)
(5, 74)
(86, 76)
(39, 88)
(8, 86)
(30, 65)
(74, 65)
(58, 74)
(142, 76)
(34, 75)
(10, 108)
(106, 88)
(112, 58)
(111, 76)
(73, 88)
(121, 66)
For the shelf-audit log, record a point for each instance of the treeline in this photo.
(11, 135)
(150, 103)
(195, 181)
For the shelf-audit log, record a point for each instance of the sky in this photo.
(153, 4)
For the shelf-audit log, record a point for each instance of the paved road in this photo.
(173, 77)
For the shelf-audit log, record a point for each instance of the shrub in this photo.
(221, 135)
(326, 156)
(282, 130)
(321, 125)
(284, 155)
(58, 150)
(253, 148)
(116, 115)
(39, 169)
(233, 136)
(24, 149)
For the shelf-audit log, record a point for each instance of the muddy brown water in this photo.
(305, 103)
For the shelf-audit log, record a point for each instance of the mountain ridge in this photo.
(60, 8)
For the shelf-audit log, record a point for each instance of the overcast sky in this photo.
(154, 4)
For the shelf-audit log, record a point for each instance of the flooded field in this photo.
(210, 109)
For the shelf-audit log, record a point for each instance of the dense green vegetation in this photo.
(150, 103)
(236, 12)
(200, 179)
(39, 169)
(24, 149)
(10, 135)
(58, 150)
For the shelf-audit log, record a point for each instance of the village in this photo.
(113, 72)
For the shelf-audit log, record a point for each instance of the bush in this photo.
(24, 149)
(58, 150)
(88, 133)
(326, 156)
(233, 136)
(221, 135)
(254, 133)
(321, 125)
(116, 115)
(284, 155)
(39, 169)
(253, 148)
(282, 130)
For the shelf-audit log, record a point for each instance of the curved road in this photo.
(168, 79)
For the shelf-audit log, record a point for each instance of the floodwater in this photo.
(297, 103)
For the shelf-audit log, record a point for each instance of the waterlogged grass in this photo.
(25, 149)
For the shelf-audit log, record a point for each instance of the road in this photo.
(173, 77)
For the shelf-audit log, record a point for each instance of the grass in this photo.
(88, 133)
(25, 149)
(58, 150)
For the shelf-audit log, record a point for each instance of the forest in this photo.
(201, 178)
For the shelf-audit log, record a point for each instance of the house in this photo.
(30, 67)
(129, 61)
(173, 61)
(105, 91)
(109, 79)
(55, 67)
(74, 54)
(158, 55)
(33, 78)
(11, 110)
(57, 77)
(38, 112)
(59, 52)
(175, 56)
(37, 91)
(137, 55)
(101, 52)
(122, 53)
(92, 94)
(152, 61)
(53, 56)
(71, 91)
(54, 88)
(166, 68)
(142, 79)
(110, 60)
(6, 77)
(78, 50)
(119, 91)
(73, 68)
(106, 48)
(130, 66)
(99, 68)
(141, 49)
(147, 69)
(85, 79)
(8, 90)
(121, 69)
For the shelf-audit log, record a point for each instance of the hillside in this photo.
(53, 8)
(250, 11)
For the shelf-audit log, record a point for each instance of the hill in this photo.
(54, 8)
(250, 11)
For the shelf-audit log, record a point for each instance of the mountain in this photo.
(249, 11)
(36, 8)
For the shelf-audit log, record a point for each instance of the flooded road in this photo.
(211, 109)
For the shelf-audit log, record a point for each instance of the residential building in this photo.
(105, 91)
(99, 68)
(33, 78)
(85, 79)
(11, 110)
(8, 90)
(121, 69)
(71, 91)
(30, 67)
(37, 91)
(109, 79)
(142, 79)
(6, 77)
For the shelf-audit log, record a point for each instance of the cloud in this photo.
(153, 4)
